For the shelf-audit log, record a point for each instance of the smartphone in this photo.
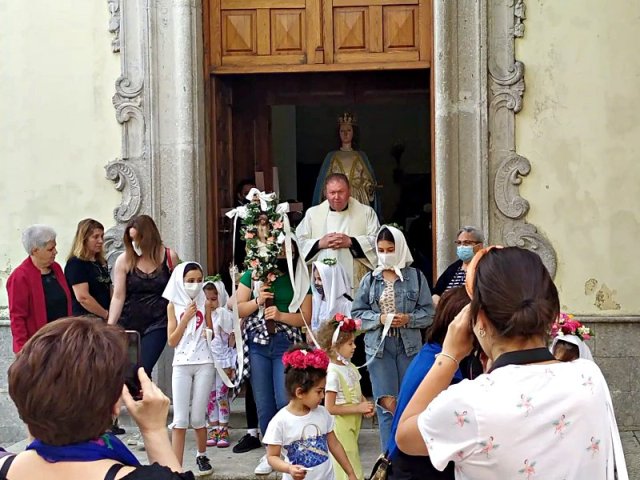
(133, 353)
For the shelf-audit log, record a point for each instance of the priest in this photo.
(342, 228)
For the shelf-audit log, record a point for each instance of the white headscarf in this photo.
(335, 284)
(402, 254)
(176, 294)
(223, 316)
(583, 349)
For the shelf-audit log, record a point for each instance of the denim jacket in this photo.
(412, 296)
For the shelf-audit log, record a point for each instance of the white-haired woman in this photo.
(37, 289)
(469, 241)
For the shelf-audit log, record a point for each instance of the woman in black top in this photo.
(468, 242)
(87, 272)
(141, 274)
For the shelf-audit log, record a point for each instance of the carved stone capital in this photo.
(114, 24)
(127, 182)
(113, 244)
(519, 12)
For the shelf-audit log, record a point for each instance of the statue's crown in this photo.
(347, 119)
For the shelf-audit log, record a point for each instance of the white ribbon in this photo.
(387, 326)
(336, 333)
(264, 198)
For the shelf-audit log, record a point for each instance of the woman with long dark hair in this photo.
(529, 413)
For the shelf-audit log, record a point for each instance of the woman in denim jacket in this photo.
(397, 294)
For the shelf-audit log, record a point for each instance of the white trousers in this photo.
(191, 385)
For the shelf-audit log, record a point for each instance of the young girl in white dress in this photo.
(193, 368)
(304, 428)
(223, 349)
(331, 291)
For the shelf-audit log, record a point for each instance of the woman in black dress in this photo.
(87, 272)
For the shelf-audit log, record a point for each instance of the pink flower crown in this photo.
(347, 324)
(306, 358)
(567, 325)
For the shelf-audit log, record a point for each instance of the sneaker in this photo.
(204, 465)
(117, 429)
(134, 439)
(263, 467)
(223, 438)
(212, 437)
(247, 443)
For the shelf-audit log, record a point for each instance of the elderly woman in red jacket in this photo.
(38, 291)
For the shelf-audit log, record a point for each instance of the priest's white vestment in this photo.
(358, 221)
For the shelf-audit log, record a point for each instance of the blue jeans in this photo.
(386, 376)
(267, 377)
(151, 347)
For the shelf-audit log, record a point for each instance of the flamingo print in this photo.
(461, 418)
(528, 469)
(525, 402)
(594, 447)
(561, 425)
(488, 446)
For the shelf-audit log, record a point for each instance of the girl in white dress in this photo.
(193, 368)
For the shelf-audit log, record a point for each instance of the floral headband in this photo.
(212, 278)
(344, 324)
(566, 324)
(330, 261)
(306, 358)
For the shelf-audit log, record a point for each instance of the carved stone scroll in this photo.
(128, 183)
(114, 24)
(506, 167)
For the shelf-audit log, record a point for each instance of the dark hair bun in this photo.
(516, 292)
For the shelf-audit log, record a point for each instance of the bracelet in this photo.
(256, 299)
(448, 356)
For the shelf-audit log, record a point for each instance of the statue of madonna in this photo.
(351, 162)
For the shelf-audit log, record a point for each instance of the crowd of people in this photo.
(463, 379)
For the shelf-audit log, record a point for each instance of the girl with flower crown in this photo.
(569, 337)
(304, 429)
(343, 396)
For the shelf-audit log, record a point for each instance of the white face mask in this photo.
(388, 260)
(136, 248)
(193, 289)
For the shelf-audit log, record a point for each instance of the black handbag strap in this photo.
(5, 467)
(522, 357)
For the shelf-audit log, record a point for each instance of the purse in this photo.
(380, 468)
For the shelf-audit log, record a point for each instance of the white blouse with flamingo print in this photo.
(530, 422)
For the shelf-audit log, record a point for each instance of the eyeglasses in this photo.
(466, 243)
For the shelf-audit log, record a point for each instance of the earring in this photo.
(481, 332)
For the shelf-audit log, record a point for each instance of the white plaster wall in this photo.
(579, 128)
(57, 124)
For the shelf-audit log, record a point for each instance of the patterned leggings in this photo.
(218, 407)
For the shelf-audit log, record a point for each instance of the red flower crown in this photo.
(348, 324)
(566, 324)
(303, 359)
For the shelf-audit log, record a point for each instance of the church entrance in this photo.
(277, 129)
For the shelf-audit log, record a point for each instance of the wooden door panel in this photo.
(318, 35)
(239, 32)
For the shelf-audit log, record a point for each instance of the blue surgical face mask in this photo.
(465, 253)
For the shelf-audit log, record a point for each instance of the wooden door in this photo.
(247, 36)
(377, 31)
